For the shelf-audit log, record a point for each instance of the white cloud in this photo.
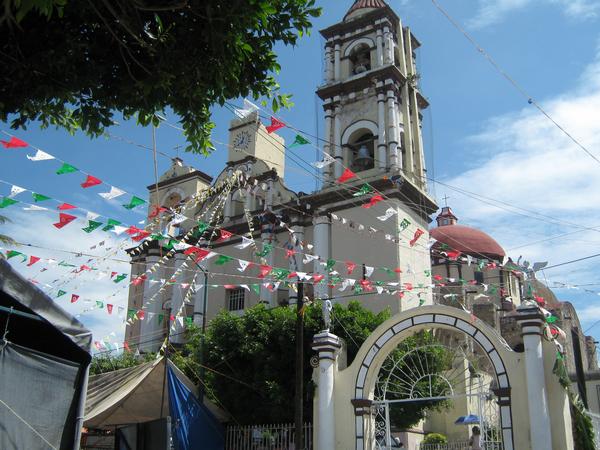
(493, 11)
(534, 166)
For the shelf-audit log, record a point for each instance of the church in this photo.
(244, 237)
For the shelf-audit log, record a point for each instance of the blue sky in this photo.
(480, 134)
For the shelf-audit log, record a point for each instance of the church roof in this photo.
(360, 4)
(469, 241)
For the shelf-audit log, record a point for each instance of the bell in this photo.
(363, 158)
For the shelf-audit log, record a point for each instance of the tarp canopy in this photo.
(43, 368)
(133, 395)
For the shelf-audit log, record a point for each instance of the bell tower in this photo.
(371, 96)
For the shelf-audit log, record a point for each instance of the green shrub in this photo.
(435, 438)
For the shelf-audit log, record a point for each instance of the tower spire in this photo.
(360, 4)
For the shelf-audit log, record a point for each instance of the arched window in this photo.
(360, 59)
(362, 152)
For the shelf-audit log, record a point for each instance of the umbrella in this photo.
(467, 420)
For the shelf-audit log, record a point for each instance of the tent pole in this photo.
(16, 312)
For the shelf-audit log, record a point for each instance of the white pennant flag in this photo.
(379, 289)
(91, 215)
(179, 218)
(181, 246)
(40, 156)
(303, 276)
(369, 271)
(180, 321)
(16, 190)
(335, 217)
(309, 258)
(388, 214)
(245, 243)
(243, 265)
(328, 159)
(35, 208)
(114, 193)
(469, 260)
(245, 286)
(248, 109)
(430, 243)
(118, 229)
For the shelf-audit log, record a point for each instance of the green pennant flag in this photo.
(421, 301)
(280, 274)
(13, 253)
(92, 225)
(300, 140)
(64, 264)
(267, 248)
(222, 260)
(493, 289)
(365, 189)
(111, 224)
(551, 319)
(256, 288)
(171, 244)
(7, 202)
(329, 265)
(336, 279)
(379, 283)
(60, 293)
(131, 313)
(481, 265)
(99, 304)
(189, 321)
(66, 168)
(39, 197)
(158, 237)
(135, 201)
(199, 231)
(389, 271)
(160, 318)
(427, 273)
(404, 224)
(120, 278)
(461, 281)
(358, 289)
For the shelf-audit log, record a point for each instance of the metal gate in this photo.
(434, 374)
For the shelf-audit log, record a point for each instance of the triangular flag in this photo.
(347, 175)
(32, 260)
(300, 140)
(66, 168)
(34, 208)
(374, 200)
(350, 266)
(90, 181)
(275, 125)
(7, 202)
(63, 220)
(99, 304)
(365, 189)
(60, 293)
(120, 278)
(113, 193)
(417, 235)
(109, 308)
(135, 201)
(14, 142)
(225, 235)
(16, 190)
(40, 156)
(245, 243)
(13, 253)
(369, 271)
(74, 298)
(117, 229)
(243, 265)
(111, 224)
(39, 197)
(264, 271)
(327, 159)
(222, 259)
(92, 225)
(65, 207)
(388, 213)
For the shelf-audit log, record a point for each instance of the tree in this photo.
(107, 363)
(7, 240)
(252, 363)
(74, 64)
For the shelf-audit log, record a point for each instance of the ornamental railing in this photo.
(266, 437)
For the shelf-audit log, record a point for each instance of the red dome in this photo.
(468, 240)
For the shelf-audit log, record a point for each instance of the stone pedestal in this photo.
(327, 346)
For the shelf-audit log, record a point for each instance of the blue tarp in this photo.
(194, 427)
(467, 420)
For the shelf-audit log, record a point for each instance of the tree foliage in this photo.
(7, 240)
(252, 358)
(73, 64)
(107, 363)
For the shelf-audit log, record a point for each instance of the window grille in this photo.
(235, 299)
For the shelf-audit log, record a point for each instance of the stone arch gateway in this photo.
(344, 398)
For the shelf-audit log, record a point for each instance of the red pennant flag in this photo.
(132, 230)
(90, 181)
(366, 284)
(32, 260)
(140, 237)
(264, 271)
(225, 235)
(229, 286)
(112, 274)
(84, 267)
(139, 280)
(492, 265)
(64, 220)
(14, 143)
(141, 314)
(156, 210)
(275, 125)
(350, 266)
(65, 206)
(109, 308)
(191, 250)
(289, 253)
(438, 277)
(408, 286)
(416, 237)
(126, 345)
(347, 175)
(74, 298)
(292, 275)
(539, 300)
(374, 200)
(318, 278)
(200, 253)
(453, 255)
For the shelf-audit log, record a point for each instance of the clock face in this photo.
(241, 140)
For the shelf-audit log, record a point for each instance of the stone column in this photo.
(150, 335)
(295, 262)
(393, 127)
(227, 209)
(389, 46)
(328, 64)
(327, 345)
(417, 138)
(531, 320)
(379, 48)
(407, 144)
(381, 139)
(322, 231)
(177, 330)
(337, 142)
(337, 64)
(327, 170)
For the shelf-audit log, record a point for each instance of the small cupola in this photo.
(446, 217)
